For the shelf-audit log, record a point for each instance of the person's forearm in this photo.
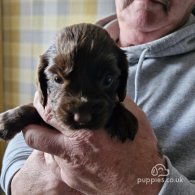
(15, 155)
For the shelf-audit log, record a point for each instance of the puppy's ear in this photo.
(123, 66)
(41, 80)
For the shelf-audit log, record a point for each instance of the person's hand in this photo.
(94, 163)
(40, 175)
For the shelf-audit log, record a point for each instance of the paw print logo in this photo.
(159, 170)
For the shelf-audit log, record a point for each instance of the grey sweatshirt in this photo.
(162, 82)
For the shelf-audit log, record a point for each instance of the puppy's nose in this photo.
(82, 118)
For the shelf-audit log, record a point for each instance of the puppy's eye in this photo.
(58, 79)
(107, 81)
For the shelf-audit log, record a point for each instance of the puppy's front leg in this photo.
(14, 120)
(122, 124)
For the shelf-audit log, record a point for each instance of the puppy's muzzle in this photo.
(91, 114)
(82, 118)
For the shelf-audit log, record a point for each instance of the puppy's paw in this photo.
(122, 124)
(2, 127)
(8, 127)
(5, 125)
(14, 120)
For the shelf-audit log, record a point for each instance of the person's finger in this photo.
(132, 107)
(144, 124)
(136, 111)
(37, 104)
(45, 112)
(71, 147)
(44, 139)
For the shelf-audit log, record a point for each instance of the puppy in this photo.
(84, 75)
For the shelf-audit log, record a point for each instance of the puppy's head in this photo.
(83, 74)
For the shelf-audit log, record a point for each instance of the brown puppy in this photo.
(84, 74)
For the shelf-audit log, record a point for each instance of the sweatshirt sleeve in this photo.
(15, 155)
(176, 183)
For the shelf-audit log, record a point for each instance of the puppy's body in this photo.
(84, 75)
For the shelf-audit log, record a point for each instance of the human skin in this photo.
(89, 161)
(142, 21)
(78, 159)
